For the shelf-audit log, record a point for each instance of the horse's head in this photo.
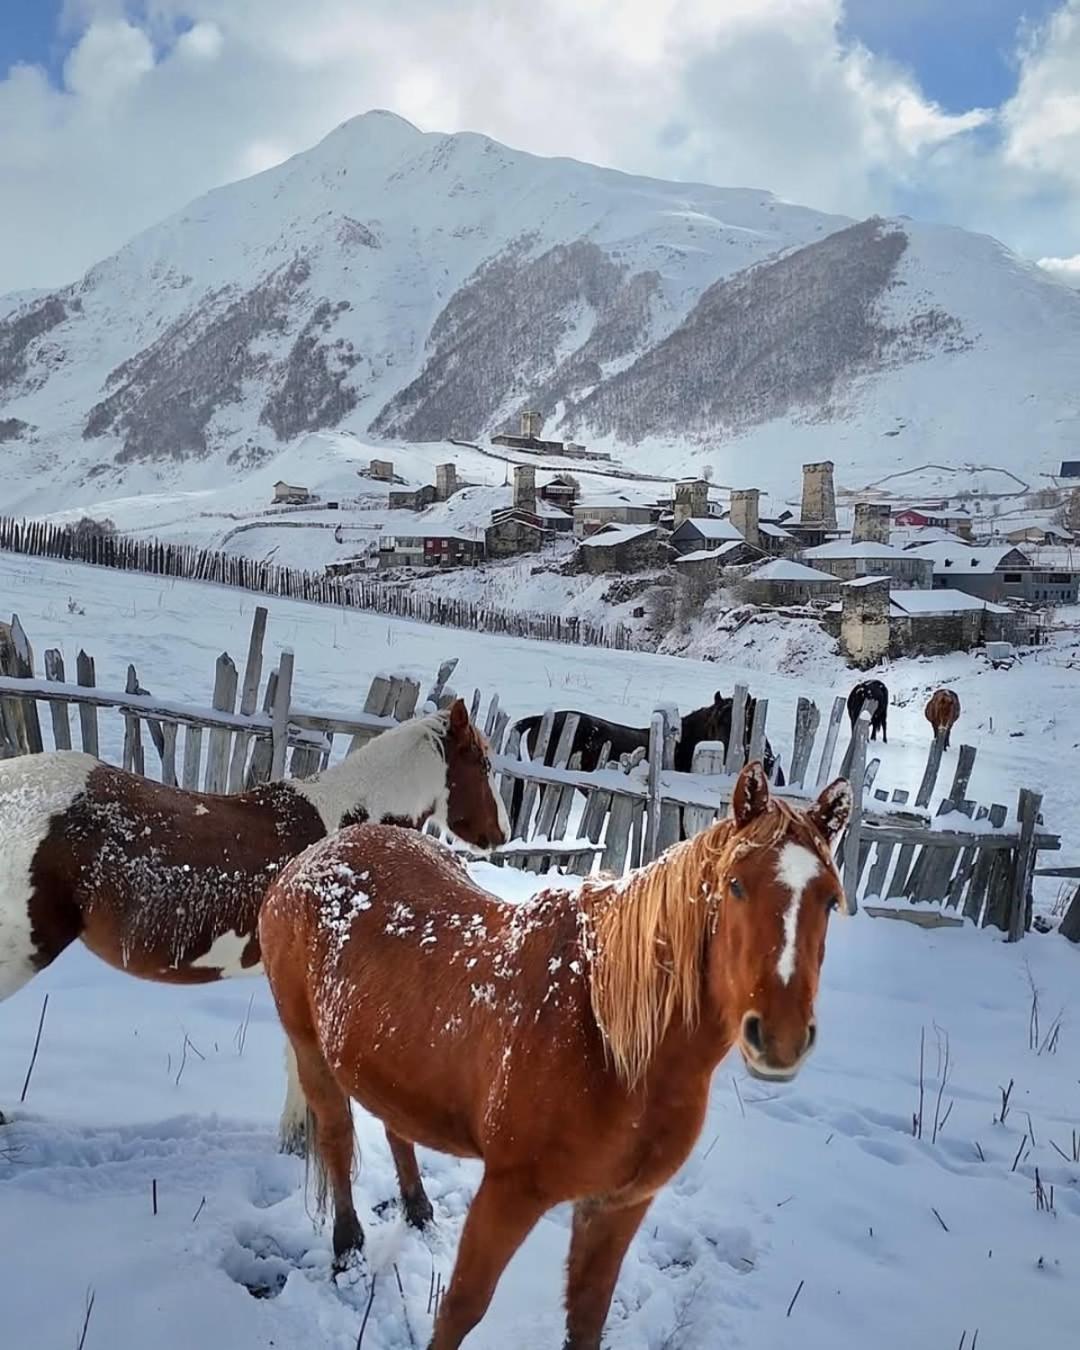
(475, 811)
(775, 887)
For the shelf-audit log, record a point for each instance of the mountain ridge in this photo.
(402, 284)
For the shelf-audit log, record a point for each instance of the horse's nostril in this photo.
(752, 1033)
(811, 1037)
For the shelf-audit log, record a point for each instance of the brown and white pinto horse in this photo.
(166, 884)
(568, 1042)
(943, 712)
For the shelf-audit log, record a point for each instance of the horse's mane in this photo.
(650, 932)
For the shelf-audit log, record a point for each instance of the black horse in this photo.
(863, 693)
(711, 723)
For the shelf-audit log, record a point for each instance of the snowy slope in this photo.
(402, 285)
(819, 1183)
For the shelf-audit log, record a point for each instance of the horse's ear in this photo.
(831, 811)
(751, 795)
(718, 699)
(459, 717)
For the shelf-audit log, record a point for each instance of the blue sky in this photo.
(962, 51)
(29, 32)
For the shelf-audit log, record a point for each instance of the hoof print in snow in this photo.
(259, 1263)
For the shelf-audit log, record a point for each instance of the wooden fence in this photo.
(942, 864)
(42, 539)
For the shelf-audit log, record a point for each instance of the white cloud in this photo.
(111, 57)
(1065, 269)
(760, 93)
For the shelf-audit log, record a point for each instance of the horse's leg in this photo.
(293, 1130)
(334, 1145)
(500, 1218)
(418, 1211)
(597, 1247)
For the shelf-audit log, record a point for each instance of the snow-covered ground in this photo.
(818, 1187)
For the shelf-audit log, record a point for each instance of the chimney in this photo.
(445, 481)
(525, 487)
(871, 525)
(530, 425)
(691, 500)
(819, 495)
(744, 514)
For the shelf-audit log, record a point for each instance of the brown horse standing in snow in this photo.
(943, 712)
(166, 884)
(568, 1042)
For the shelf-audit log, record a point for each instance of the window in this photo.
(1012, 578)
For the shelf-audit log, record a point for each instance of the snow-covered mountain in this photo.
(410, 286)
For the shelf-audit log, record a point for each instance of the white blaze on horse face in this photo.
(225, 956)
(33, 790)
(796, 867)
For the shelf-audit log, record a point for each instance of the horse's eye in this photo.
(834, 903)
(735, 889)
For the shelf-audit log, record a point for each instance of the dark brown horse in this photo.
(871, 691)
(568, 1042)
(166, 884)
(943, 712)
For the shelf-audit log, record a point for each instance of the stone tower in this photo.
(691, 501)
(864, 623)
(525, 487)
(819, 495)
(744, 514)
(530, 425)
(871, 525)
(445, 481)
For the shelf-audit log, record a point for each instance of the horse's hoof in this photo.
(419, 1213)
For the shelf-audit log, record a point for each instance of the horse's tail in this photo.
(529, 728)
(316, 1177)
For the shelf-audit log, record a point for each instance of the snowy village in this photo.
(538, 679)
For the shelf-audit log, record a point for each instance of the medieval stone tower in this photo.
(744, 513)
(691, 500)
(819, 495)
(871, 525)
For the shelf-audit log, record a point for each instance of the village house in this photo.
(613, 509)
(1039, 534)
(288, 494)
(847, 560)
(562, 491)
(412, 499)
(513, 531)
(706, 532)
(783, 581)
(430, 548)
(873, 622)
(956, 519)
(1070, 468)
(991, 572)
(382, 470)
(624, 548)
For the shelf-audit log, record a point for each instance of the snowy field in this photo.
(818, 1187)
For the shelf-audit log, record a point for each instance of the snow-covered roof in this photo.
(785, 569)
(943, 601)
(913, 536)
(549, 511)
(952, 558)
(774, 531)
(844, 548)
(712, 528)
(860, 583)
(611, 535)
(911, 604)
(703, 554)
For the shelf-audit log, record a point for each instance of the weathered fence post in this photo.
(134, 760)
(88, 726)
(807, 719)
(828, 748)
(58, 710)
(249, 698)
(852, 836)
(279, 736)
(1027, 813)
(217, 746)
(736, 747)
(657, 728)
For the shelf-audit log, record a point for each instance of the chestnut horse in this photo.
(943, 712)
(166, 884)
(568, 1042)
